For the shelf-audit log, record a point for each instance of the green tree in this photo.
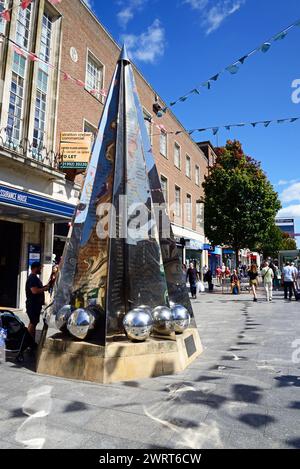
(288, 244)
(240, 202)
(272, 242)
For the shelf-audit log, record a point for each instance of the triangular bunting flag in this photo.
(267, 123)
(207, 85)
(233, 69)
(5, 14)
(242, 59)
(215, 78)
(265, 47)
(215, 130)
(280, 36)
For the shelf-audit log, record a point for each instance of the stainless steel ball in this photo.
(79, 323)
(145, 308)
(61, 318)
(163, 321)
(181, 318)
(138, 325)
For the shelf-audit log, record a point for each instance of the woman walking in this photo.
(253, 276)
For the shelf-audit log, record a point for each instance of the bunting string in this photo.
(234, 67)
(66, 76)
(216, 129)
(5, 14)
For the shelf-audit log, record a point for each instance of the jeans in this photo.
(288, 288)
(269, 290)
(193, 289)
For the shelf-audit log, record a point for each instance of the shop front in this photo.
(26, 235)
(193, 253)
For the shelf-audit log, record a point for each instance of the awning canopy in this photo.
(20, 204)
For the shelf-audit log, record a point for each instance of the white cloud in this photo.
(214, 14)
(284, 182)
(148, 46)
(197, 4)
(291, 211)
(129, 8)
(89, 3)
(291, 194)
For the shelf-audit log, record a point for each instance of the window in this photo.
(17, 87)
(164, 186)
(39, 130)
(94, 76)
(177, 201)
(199, 213)
(177, 159)
(197, 175)
(16, 101)
(189, 208)
(148, 123)
(23, 27)
(2, 22)
(163, 144)
(89, 128)
(188, 167)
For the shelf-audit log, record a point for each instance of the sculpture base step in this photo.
(118, 361)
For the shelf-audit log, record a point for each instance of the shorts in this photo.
(253, 283)
(34, 313)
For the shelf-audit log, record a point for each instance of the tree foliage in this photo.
(272, 242)
(240, 202)
(288, 244)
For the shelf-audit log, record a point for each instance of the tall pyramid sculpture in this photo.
(121, 251)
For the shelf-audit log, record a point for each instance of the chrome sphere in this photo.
(138, 325)
(79, 323)
(181, 318)
(61, 318)
(145, 308)
(163, 321)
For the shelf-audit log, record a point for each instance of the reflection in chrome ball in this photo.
(145, 308)
(138, 325)
(61, 318)
(79, 323)
(181, 318)
(163, 321)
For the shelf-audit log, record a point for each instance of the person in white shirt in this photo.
(288, 280)
(268, 276)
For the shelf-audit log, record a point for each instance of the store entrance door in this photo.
(10, 248)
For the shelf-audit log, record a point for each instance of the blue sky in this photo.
(178, 44)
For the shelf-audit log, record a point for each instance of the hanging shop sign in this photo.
(75, 148)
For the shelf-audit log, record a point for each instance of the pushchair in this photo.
(17, 338)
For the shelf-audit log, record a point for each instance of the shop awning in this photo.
(20, 204)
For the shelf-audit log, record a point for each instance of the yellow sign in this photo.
(75, 148)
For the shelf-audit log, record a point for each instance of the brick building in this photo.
(38, 103)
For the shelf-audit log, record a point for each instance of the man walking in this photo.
(268, 276)
(288, 280)
(192, 276)
(35, 295)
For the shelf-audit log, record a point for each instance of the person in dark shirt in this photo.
(35, 297)
(192, 276)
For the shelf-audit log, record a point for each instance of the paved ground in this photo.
(243, 392)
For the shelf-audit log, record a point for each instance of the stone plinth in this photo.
(118, 361)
